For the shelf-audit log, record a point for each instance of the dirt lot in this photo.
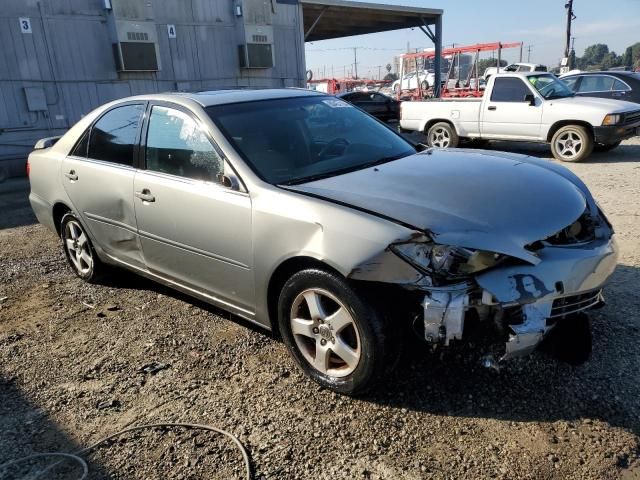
(71, 354)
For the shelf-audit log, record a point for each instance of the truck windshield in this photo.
(550, 87)
(301, 139)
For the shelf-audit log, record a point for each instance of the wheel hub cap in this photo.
(325, 333)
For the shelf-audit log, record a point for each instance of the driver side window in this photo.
(509, 90)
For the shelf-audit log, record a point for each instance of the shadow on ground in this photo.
(623, 153)
(27, 430)
(15, 210)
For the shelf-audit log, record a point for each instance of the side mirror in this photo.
(531, 99)
(229, 182)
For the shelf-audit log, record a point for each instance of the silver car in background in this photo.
(303, 214)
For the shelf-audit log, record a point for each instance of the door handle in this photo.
(145, 196)
(491, 108)
(71, 175)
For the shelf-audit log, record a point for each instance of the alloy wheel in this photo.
(325, 333)
(439, 138)
(569, 144)
(78, 247)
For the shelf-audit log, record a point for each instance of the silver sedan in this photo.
(303, 214)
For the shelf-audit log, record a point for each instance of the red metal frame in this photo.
(456, 92)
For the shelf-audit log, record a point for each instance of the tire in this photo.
(424, 85)
(78, 250)
(342, 321)
(396, 87)
(572, 143)
(605, 147)
(442, 135)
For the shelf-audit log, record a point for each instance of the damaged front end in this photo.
(519, 300)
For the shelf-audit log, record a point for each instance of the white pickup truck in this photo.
(530, 107)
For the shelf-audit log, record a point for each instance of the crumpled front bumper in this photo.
(567, 280)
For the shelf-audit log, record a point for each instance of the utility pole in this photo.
(355, 61)
(529, 53)
(379, 72)
(572, 54)
(521, 51)
(570, 18)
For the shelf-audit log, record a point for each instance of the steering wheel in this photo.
(333, 143)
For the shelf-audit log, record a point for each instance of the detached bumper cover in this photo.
(567, 280)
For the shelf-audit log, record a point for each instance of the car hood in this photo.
(468, 198)
(604, 105)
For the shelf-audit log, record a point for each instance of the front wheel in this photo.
(572, 143)
(605, 147)
(332, 333)
(442, 135)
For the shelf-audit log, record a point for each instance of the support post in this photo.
(437, 61)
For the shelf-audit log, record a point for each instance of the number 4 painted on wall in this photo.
(25, 25)
(171, 31)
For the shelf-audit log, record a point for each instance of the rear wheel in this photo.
(605, 147)
(78, 249)
(442, 135)
(332, 333)
(424, 85)
(572, 143)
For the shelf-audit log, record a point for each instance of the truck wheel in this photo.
(605, 147)
(572, 143)
(442, 135)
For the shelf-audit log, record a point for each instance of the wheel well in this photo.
(284, 272)
(563, 123)
(59, 210)
(431, 123)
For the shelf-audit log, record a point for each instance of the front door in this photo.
(194, 231)
(509, 114)
(98, 178)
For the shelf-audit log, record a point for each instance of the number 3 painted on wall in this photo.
(25, 25)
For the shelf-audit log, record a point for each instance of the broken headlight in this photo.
(445, 260)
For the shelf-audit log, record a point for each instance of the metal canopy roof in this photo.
(325, 19)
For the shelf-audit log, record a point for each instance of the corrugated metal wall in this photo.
(69, 54)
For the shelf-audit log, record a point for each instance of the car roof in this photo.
(624, 73)
(223, 97)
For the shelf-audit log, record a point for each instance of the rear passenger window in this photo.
(595, 83)
(113, 137)
(177, 145)
(509, 90)
(621, 86)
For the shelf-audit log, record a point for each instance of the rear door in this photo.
(596, 86)
(98, 178)
(194, 230)
(508, 114)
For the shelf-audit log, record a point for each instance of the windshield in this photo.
(294, 140)
(550, 87)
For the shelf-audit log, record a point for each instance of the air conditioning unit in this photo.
(257, 51)
(134, 35)
(137, 47)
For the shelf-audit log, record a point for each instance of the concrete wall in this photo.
(69, 54)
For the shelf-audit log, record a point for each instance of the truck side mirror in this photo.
(531, 99)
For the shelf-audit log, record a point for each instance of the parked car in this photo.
(300, 213)
(410, 81)
(618, 85)
(532, 107)
(514, 68)
(377, 104)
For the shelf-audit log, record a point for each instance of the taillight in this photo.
(28, 168)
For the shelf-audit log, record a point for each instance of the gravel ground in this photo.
(71, 356)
